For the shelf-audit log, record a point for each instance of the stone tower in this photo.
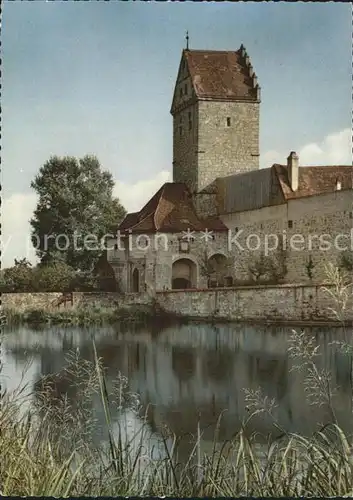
(215, 111)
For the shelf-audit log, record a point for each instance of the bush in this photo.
(18, 278)
(53, 277)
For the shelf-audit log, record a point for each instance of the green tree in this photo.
(75, 210)
(54, 277)
(18, 278)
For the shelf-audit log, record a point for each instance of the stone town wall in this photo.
(327, 215)
(253, 303)
(281, 303)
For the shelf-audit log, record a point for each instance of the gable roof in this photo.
(218, 74)
(169, 210)
(271, 186)
(315, 180)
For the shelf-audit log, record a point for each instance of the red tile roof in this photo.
(220, 74)
(169, 210)
(315, 180)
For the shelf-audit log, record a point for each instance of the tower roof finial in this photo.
(187, 40)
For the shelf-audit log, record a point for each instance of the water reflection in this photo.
(192, 372)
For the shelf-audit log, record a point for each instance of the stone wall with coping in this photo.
(254, 303)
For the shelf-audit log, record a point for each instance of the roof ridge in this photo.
(249, 172)
(224, 51)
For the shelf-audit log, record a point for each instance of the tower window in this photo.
(181, 92)
(228, 121)
(290, 224)
(186, 89)
(190, 121)
(180, 131)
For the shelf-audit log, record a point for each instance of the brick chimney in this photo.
(293, 170)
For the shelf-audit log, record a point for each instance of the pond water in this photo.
(190, 373)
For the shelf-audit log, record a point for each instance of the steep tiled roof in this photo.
(220, 74)
(315, 180)
(169, 210)
(271, 186)
(130, 220)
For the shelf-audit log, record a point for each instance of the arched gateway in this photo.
(184, 274)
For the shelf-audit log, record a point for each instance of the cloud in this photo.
(335, 149)
(134, 196)
(16, 211)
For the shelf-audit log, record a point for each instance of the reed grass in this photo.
(95, 315)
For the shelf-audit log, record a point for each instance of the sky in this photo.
(98, 78)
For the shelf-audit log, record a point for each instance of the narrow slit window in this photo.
(228, 121)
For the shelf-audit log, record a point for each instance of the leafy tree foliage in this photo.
(18, 278)
(75, 210)
(54, 277)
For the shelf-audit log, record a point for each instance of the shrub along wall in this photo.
(50, 300)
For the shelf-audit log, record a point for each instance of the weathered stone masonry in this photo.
(282, 303)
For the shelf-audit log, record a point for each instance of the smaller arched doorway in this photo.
(184, 274)
(135, 280)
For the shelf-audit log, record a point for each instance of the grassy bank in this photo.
(81, 317)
